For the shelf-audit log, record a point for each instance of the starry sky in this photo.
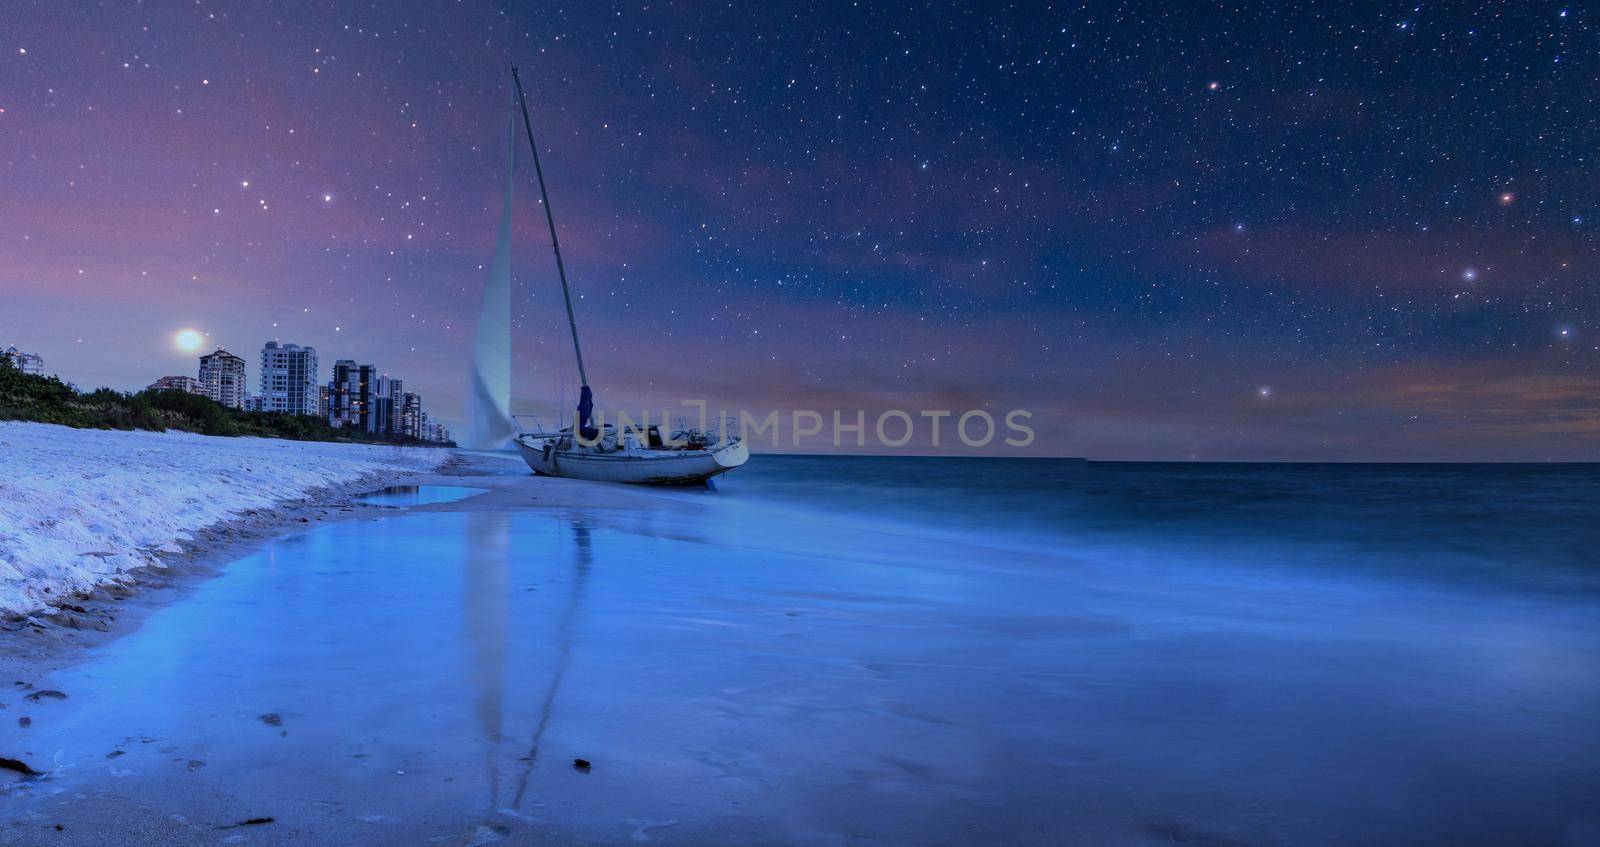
(1279, 231)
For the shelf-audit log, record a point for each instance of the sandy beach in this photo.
(33, 648)
(475, 656)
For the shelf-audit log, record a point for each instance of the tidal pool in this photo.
(400, 496)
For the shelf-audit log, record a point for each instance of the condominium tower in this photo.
(288, 379)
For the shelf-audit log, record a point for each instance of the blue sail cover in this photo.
(586, 428)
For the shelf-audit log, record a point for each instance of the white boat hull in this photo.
(638, 467)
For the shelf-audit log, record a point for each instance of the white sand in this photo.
(83, 508)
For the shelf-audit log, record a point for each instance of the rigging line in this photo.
(550, 219)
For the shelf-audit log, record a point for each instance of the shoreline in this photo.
(38, 644)
(47, 639)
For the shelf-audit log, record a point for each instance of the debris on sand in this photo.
(24, 721)
(46, 692)
(581, 765)
(19, 766)
(247, 822)
(272, 719)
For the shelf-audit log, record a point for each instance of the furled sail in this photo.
(489, 414)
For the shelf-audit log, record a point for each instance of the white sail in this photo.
(489, 412)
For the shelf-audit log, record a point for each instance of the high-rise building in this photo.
(428, 430)
(408, 415)
(322, 402)
(358, 396)
(350, 395)
(344, 392)
(177, 383)
(288, 379)
(385, 414)
(28, 363)
(222, 377)
(368, 381)
(381, 415)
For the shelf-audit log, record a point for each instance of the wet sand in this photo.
(116, 805)
(33, 645)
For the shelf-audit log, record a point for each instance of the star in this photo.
(1507, 198)
(1470, 274)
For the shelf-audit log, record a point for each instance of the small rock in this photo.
(19, 766)
(272, 719)
(581, 765)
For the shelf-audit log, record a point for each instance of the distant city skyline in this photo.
(290, 382)
(1171, 232)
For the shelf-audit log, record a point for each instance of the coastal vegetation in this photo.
(46, 399)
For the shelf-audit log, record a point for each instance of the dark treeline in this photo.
(46, 399)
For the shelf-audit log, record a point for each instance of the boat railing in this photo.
(715, 432)
(538, 428)
(718, 428)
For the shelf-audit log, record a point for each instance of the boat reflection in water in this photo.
(486, 589)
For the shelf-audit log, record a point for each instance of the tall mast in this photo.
(550, 218)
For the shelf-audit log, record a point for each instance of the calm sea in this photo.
(1524, 526)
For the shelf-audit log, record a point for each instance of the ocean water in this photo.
(1532, 527)
(877, 652)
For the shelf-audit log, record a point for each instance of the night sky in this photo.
(1215, 231)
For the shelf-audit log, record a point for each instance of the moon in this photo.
(188, 340)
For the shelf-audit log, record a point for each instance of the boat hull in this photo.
(651, 467)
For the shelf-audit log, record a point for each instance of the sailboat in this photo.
(635, 453)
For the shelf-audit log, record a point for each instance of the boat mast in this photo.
(550, 218)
